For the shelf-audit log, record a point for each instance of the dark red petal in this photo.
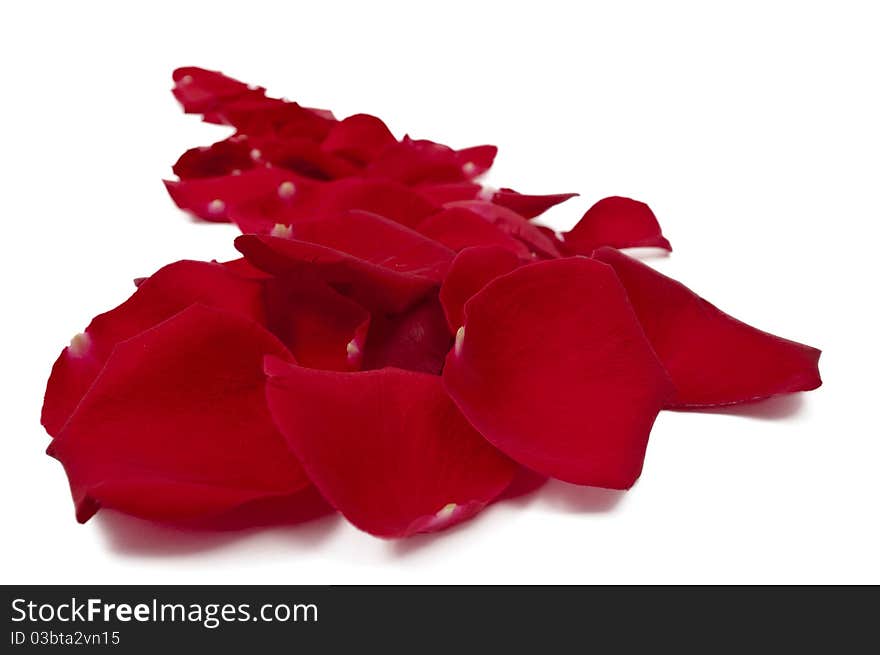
(376, 239)
(359, 138)
(201, 91)
(302, 156)
(371, 284)
(553, 368)
(471, 270)
(321, 327)
(416, 340)
(170, 290)
(387, 448)
(176, 426)
(295, 199)
(458, 227)
(418, 161)
(553, 237)
(525, 481)
(513, 224)
(712, 358)
(214, 198)
(273, 117)
(618, 222)
(304, 505)
(528, 206)
(221, 158)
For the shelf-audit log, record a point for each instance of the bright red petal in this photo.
(440, 194)
(359, 138)
(294, 199)
(176, 426)
(201, 91)
(512, 224)
(245, 269)
(387, 448)
(476, 160)
(170, 290)
(471, 270)
(528, 206)
(371, 284)
(712, 358)
(272, 117)
(419, 161)
(458, 228)
(618, 222)
(376, 239)
(552, 367)
(216, 198)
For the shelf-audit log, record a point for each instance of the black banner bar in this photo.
(411, 619)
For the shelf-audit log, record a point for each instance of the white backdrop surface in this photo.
(752, 131)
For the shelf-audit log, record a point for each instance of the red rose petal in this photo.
(295, 199)
(529, 206)
(257, 116)
(201, 91)
(301, 506)
(243, 268)
(416, 340)
(552, 367)
(387, 448)
(227, 101)
(440, 194)
(551, 236)
(526, 205)
(513, 224)
(458, 227)
(240, 153)
(525, 481)
(618, 222)
(414, 161)
(302, 156)
(170, 290)
(371, 284)
(471, 270)
(176, 425)
(376, 239)
(476, 160)
(359, 138)
(221, 158)
(712, 358)
(214, 198)
(321, 327)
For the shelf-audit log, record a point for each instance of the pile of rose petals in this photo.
(399, 343)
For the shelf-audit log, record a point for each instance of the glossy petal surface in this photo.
(387, 448)
(618, 222)
(471, 270)
(171, 289)
(176, 427)
(371, 284)
(712, 358)
(552, 367)
(459, 227)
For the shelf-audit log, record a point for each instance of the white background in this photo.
(752, 131)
